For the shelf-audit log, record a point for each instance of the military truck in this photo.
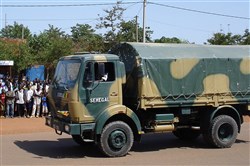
(137, 88)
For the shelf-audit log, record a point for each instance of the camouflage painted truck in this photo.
(113, 99)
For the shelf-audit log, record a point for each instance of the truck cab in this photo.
(85, 93)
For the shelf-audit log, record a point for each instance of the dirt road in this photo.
(22, 125)
(30, 142)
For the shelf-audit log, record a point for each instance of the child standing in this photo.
(44, 103)
(2, 103)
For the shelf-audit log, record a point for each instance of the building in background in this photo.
(6, 68)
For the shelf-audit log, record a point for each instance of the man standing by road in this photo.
(28, 100)
(37, 102)
(20, 101)
(10, 99)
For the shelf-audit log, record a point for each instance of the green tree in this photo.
(54, 32)
(164, 39)
(49, 46)
(85, 39)
(17, 50)
(230, 39)
(127, 32)
(245, 40)
(81, 31)
(16, 31)
(112, 22)
(37, 43)
(23, 58)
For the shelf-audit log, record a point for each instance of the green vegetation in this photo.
(19, 44)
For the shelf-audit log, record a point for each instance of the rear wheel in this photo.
(116, 139)
(222, 132)
(186, 134)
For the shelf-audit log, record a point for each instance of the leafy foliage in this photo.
(230, 39)
(85, 39)
(164, 39)
(111, 21)
(16, 31)
(18, 44)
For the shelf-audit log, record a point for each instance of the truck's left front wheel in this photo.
(116, 139)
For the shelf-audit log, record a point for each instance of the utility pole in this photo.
(144, 24)
(22, 32)
(136, 27)
(5, 20)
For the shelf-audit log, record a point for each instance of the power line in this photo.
(199, 11)
(132, 2)
(52, 19)
(65, 5)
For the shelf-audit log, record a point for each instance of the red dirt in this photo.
(22, 125)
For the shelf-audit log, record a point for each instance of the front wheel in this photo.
(222, 132)
(116, 139)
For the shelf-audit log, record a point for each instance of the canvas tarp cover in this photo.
(184, 69)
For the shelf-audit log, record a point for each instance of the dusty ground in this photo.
(31, 125)
(22, 125)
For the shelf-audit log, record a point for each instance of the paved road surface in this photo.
(47, 148)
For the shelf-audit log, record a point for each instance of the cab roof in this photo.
(90, 56)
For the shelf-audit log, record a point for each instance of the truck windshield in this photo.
(66, 73)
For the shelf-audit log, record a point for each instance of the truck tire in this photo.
(222, 132)
(186, 134)
(79, 140)
(116, 139)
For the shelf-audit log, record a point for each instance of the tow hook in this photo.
(58, 132)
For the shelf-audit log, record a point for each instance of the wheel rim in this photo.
(117, 139)
(225, 132)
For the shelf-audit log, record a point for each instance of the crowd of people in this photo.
(23, 98)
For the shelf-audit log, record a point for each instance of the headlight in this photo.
(67, 128)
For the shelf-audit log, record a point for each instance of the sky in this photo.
(169, 18)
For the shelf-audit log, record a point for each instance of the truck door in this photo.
(99, 87)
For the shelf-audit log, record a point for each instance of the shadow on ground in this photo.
(62, 148)
(155, 142)
(67, 148)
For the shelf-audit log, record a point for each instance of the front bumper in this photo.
(69, 128)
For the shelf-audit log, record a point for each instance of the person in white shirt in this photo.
(33, 86)
(37, 102)
(20, 101)
(28, 100)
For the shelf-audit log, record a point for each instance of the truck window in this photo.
(104, 71)
(66, 73)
